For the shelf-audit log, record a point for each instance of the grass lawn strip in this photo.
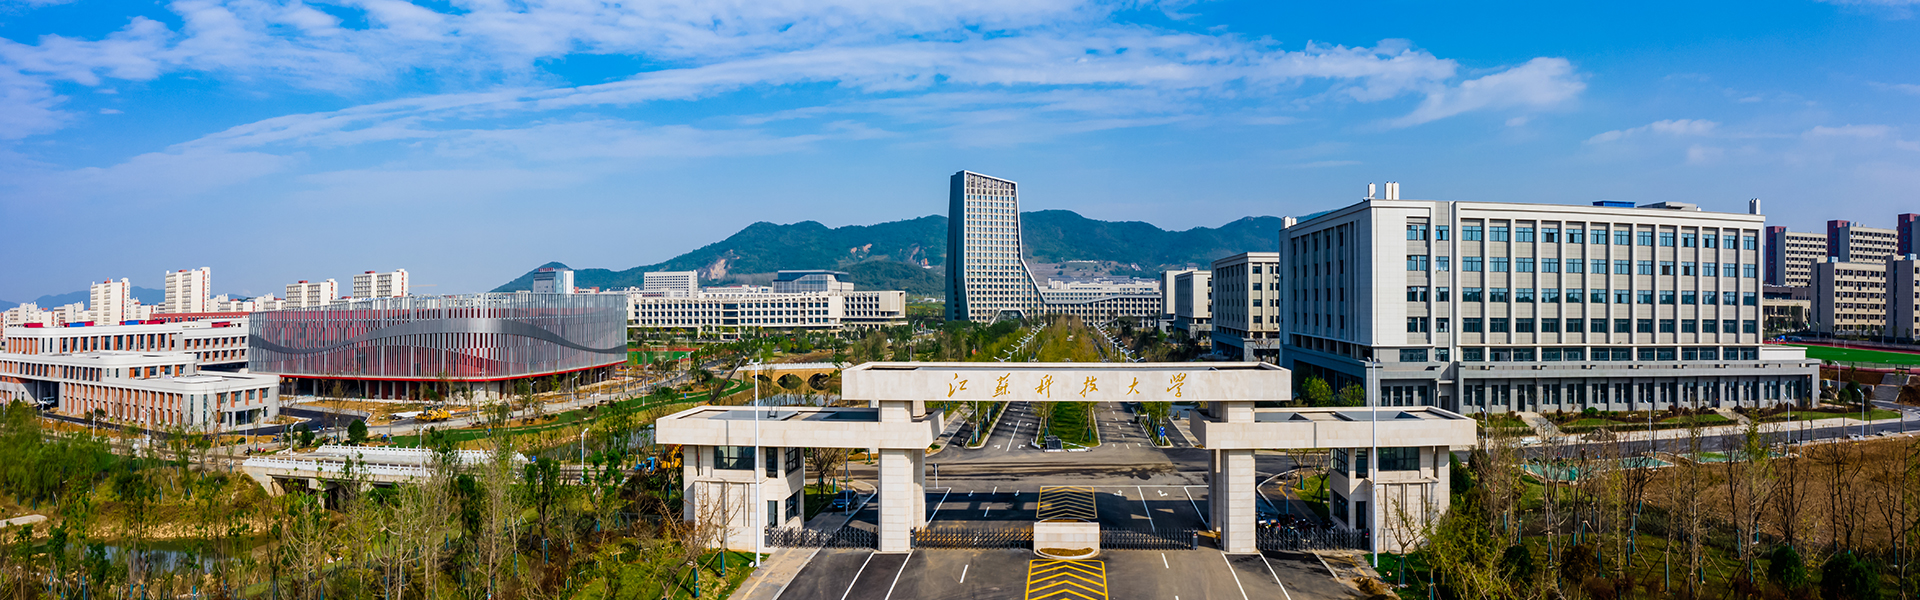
(1845, 355)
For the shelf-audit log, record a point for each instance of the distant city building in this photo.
(1166, 291)
(1865, 298)
(1903, 297)
(1492, 307)
(187, 290)
(549, 280)
(398, 347)
(1908, 227)
(380, 285)
(1849, 242)
(988, 278)
(1192, 299)
(680, 284)
(308, 294)
(1785, 309)
(1246, 306)
(1791, 254)
(110, 302)
(727, 311)
(803, 282)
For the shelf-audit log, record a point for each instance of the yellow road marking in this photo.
(1068, 502)
(1066, 580)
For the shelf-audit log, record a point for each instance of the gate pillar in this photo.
(1235, 490)
(902, 497)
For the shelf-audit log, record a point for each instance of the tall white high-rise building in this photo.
(986, 275)
(308, 294)
(380, 285)
(110, 302)
(678, 284)
(188, 290)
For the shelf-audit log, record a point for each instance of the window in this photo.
(1523, 295)
(1416, 293)
(1470, 324)
(1727, 242)
(1646, 296)
(1470, 233)
(1499, 233)
(1497, 295)
(1626, 326)
(1576, 325)
(1416, 324)
(1709, 326)
(1549, 326)
(1689, 326)
(1574, 295)
(1523, 325)
(1689, 297)
(1523, 234)
(1707, 241)
(1666, 296)
(1440, 232)
(1417, 262)
(1575, 265)
(1525, 265)
(1470, 264)
(1622, 237)
(1666, 267)
(1497, 324)
(1400, 459)
(1688, 269)
(1473, 354)
(1646, 237)
(1441, 263)
(1729, 298)
(1727, 270)
(1549, 265)
(1622, 267)
(1625, 297)
(1709, 298)
(1550, 295)
(1471, 294)
(1687, 240)
(1666, 239)
(1576, 236)
(733, 458)
(1413, 355)
(1749, 243)
(1749, 299)
(1748, 270)
(1416, 231)
(1645, 267)
(1499, 264)
(1442, 294)
(796, 458)
(1600, 236)
(1729, 325)
(1666, 326)
(1665, 354)
(1550, 235)
(1710, 269)
(1440, 325)
(1645, 326)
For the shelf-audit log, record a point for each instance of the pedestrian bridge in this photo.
(329, 467)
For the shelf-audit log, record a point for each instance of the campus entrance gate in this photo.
(730, 453)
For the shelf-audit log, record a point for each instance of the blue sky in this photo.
(470, 140)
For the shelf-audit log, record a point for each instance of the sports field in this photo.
(1851, 355)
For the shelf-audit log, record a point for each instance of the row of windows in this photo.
(1598, 236)
(1577, 325)
(1419, 293)
(1502, 264)
(1664, 353)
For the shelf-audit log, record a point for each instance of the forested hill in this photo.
(911, 254)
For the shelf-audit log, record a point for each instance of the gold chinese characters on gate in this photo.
(1120, 387)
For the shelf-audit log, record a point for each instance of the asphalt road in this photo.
(1003, 574)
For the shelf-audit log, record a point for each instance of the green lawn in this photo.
(1072, 426)
(1874, 415)
(1846, 355)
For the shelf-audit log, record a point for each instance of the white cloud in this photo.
(1540, 83)
(1673, 127)
(1854, 131)
(110, 111)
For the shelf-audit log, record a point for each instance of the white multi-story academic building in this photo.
(380, 285)
(1191, 299)
(671, 283)
(987, 274)
(1246, 306)
(549, 280)
(150, 374)
(829, 305)
(1484, 306)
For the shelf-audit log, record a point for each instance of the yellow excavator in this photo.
(434, 414)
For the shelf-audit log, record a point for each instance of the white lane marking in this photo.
(856, 576)
(963, 572)
(1163, 563)
(903, 569)
(1196, 509)
(1223, 558)
(989, 502)
(1276, 576)
(942, 502)
(1324, 565)
(1147, 509)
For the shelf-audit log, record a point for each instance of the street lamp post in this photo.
(760, 538)
(1373, 457)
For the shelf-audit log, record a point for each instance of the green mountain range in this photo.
(911, 254)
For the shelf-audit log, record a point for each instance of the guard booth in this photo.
(728, 481)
